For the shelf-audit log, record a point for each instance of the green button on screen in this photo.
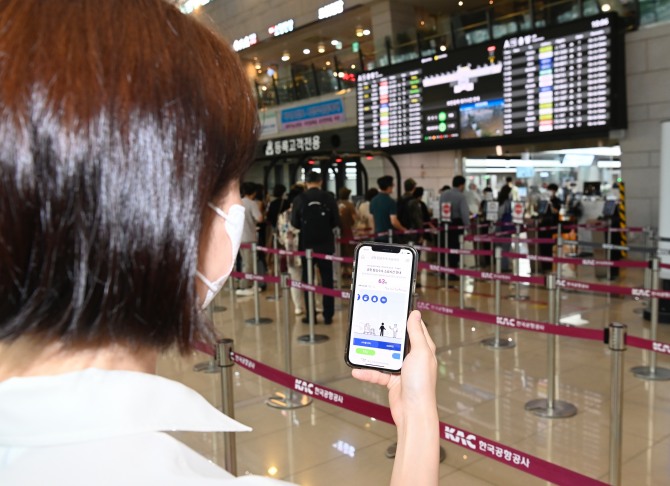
(365, 351)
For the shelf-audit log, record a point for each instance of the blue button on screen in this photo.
(395, 356)
(369, 343)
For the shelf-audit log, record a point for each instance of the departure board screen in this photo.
(558, 82)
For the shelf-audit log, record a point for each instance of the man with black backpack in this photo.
(409, 212)
(315, 214)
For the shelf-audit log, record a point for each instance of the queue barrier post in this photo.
(390, 235)
(287, 400)
(257, 319)
(209, 366)
(311, 338)
(224, 349)
(609, 252)
(516, 266)
(337, 265)
(653, 372)
(275, 266)
(615, 337)
(492, 230)
(550, 407)
(446, 255)
(497, 342)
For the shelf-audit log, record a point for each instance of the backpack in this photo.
(315, 224)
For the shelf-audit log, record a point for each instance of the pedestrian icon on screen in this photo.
(395, 330)
(381, 329)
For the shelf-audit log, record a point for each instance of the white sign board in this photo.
(492, 211)
(517, 212)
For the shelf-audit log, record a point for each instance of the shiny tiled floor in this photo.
(479, 390)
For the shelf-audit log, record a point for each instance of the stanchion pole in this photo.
(338, 252)
(461, 277)
(257, 319)
(609, 252)
(550, 407)
(390, 235)
(446, 254)
(497, 342)
(311, 338)
(536, 246)
(275, 266)
(559, 273)
(210, 365)
(653, 372)
(491, 230)
(516, 266)
(288, 400)
(224, 349)
(617, 344)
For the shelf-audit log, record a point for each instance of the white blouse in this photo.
(106, 428)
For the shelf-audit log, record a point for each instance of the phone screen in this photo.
(380, 303)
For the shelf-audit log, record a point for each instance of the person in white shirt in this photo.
(125, 153)
(252, 216)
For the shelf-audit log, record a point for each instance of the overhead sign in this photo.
(281, 28)
(245, 42)
(323, 113)
(292, 145)
(332, 9)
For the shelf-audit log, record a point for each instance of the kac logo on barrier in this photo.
(304, 387)
(374, 299)
(459, 437)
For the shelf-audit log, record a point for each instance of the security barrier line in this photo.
(499, 452)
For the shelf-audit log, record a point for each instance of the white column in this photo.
(664, 198)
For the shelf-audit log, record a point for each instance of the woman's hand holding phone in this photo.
(414, 407)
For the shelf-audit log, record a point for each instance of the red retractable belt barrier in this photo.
(587, 262)
(532, 465)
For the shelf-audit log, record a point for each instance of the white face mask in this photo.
(234, 225)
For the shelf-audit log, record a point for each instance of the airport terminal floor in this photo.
(479, 390)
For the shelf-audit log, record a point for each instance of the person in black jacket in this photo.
(315, 214)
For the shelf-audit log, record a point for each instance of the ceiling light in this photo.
(306, 51)
(321, 48)
(334, 42)
(460, 3)
(353, 66)
(286, 56)
(606, 7)
(366, 31)
(359, 31)
(327, 63)
(257, 66)
(443, 48)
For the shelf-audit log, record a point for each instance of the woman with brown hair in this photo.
(126, 127)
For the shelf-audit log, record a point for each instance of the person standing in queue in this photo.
(460, 216)
(252, 217)
(385, 210)
(315, 214)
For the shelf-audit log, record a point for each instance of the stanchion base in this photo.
(561, 409)
(261, 320)
(292, 401)
(520, 298)
(493, 343)
(206, 367)
(220, 308)
(645, 373)
(391, 450)
(272, 298)
(318, 338)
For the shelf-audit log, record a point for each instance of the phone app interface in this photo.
(381, 303)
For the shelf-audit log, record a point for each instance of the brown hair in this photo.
(120, 121)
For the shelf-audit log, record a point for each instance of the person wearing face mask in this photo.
(121, 219)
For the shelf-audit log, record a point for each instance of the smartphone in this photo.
(381, 299)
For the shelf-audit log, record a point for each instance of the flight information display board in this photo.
(563, 81)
